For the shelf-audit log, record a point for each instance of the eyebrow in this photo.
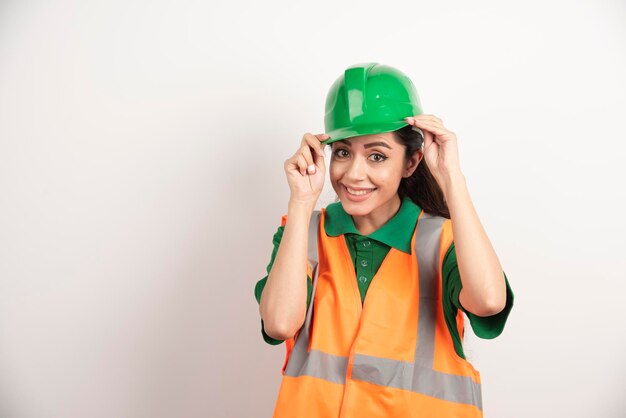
(370, 145)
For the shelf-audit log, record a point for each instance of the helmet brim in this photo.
(352, 131)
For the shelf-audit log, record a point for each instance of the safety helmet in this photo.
(369, 98)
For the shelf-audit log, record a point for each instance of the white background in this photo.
(141, 180)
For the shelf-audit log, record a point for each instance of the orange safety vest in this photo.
(391, 356)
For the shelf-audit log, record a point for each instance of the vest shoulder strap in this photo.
(433, 222)
(313, 237)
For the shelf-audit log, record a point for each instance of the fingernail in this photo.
(311, 168)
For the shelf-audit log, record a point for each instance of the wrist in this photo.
(295, 205)
(451, 181)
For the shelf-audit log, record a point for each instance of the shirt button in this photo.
(364, 263)
(366, 243)
(362, 279)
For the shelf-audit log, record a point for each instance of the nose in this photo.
(357, 170)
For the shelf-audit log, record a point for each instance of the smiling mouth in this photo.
(358, 192)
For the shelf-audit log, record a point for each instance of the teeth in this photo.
(358, 192)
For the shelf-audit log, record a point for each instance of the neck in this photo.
(366, 224)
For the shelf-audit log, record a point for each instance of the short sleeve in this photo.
(486, 327)
(260, 285)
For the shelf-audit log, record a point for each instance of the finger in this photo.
(427, 122)
(305, 151)
(430, 118)
(314, 141)
(292, 163)
(428, 140)
(322, 138)
(435, 128)
(434, 118)
(318, 160)
(302, 164)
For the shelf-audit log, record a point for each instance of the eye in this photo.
(380, 158)
(338, 153)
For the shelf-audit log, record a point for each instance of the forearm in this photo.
(283, 301)
(484, 288)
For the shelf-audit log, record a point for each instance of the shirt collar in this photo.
(396, 233)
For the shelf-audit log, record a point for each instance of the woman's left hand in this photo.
(440, 147)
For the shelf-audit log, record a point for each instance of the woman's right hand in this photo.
(306, 170)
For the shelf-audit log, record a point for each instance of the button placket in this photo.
(364, 256)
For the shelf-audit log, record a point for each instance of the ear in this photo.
(412, 163)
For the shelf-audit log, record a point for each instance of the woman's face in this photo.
(366, 170)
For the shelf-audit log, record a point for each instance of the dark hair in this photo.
(421, 187)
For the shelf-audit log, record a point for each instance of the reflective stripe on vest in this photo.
(418, 376)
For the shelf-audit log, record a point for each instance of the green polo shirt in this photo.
(367, 253)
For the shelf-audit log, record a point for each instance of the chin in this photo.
(356, 208)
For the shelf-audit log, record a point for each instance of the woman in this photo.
(377, 328)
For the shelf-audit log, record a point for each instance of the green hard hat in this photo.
(368, 99)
